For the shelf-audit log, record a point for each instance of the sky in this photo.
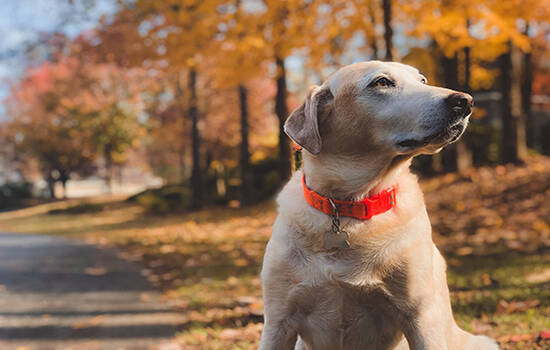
(24, 21)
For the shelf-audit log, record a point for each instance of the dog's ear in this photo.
(302, 126)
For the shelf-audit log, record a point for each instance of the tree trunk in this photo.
(464, 156)
(527, 91)
(388, 30)
(373, 43)
(180, 106)
(181, 157)
(51, 184)
(467, 70)
(107, 154)
(456, 157)
(449, 156)
(450, 71)
(513, 147)
(281, 110)
(196, 183)
(64, 180)
(437, 163)
(244, 152)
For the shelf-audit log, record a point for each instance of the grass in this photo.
(501, 294)
(208, 262)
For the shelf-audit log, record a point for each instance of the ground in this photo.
(65, 294)
(492, 225)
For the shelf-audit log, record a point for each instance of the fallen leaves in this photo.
(95, 271)
(514, 338)
(480, 326)
(505, 206)
(538, 277)
(92, 322)
(168, 248)
(249, 332)
(508, 307)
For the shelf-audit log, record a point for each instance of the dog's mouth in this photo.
(441, 138)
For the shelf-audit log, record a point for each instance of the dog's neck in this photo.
(351, 178)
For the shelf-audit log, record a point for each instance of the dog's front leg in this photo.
(425, 308)
(419, 293)
(424, 331)
(278, 331)
(435, 328)
(278, 335)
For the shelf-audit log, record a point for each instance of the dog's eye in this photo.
(382, 82)
(423, 80)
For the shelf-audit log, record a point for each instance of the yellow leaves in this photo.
(240, 262)
(479, 113)
(190, 62)
(253, 42)
(541, 226)
(334, 30)
(481, 77)
(420, 57)
(491, 24)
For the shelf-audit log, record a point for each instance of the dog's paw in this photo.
(481, 342)
(300, 345)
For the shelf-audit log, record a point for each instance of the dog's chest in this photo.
(329, 316)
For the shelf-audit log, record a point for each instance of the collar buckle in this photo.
(336, 226)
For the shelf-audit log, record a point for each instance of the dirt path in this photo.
(64, 294)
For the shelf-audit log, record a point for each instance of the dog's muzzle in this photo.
(459, 106)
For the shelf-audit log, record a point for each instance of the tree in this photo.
(285, 25)
(181, 32)
(43, 127)
(513, 147)
(449, 24)
(364, 18)
(388, 29)
(527, 91)
(244, 153)
(114, 109)
(515, 70)
(240, 47)
(68, 112)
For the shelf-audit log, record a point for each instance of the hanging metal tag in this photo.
(336, 237)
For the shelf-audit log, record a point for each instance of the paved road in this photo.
(64, 294)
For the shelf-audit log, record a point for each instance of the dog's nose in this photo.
(460, 102)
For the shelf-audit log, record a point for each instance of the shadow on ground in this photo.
(57, 293)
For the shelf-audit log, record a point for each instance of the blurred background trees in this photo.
(197, 91)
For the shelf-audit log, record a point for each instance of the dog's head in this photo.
(378, 106)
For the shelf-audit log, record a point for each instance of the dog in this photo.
(351, 263)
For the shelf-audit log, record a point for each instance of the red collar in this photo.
(363, 209)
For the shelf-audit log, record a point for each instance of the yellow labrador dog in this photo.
(351, 263)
